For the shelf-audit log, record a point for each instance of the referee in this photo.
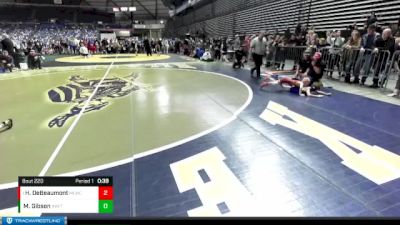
(258, 48)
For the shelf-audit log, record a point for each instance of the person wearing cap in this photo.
(258, 48)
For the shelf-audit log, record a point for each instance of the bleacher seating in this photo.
(225, 17)
(334, 14)
(43, 14)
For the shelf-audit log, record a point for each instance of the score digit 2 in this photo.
(105, 193)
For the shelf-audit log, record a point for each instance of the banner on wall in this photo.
(108, 36)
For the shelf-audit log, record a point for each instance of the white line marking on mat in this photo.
(162, 148)
(71, 128)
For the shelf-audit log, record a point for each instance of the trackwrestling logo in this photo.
(55, 220)
(79, 90)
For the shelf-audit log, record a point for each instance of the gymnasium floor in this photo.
(188, 138)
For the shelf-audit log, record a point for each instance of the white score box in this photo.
(69, 206)
(56, 199)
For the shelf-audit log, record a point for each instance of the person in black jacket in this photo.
(398, 24)
(34, 60)
(147, 47)
(297, 31)
(7, 44)
(217, 50)
(239, 58)
(383, 43)
(372, 19)
(368, 41)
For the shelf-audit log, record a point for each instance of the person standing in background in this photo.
(238, 43)
(246, 46)
(364, 59)
(372, 19)
(396, 65)
(7, 44)
(166, 46)
(258, 48)
(398, 25)
(336, 41)
(147, 46)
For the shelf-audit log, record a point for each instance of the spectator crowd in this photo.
(364, 49)
(29, 44)
(372, 50)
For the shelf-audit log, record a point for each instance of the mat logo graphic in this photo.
(373, 162)
(79, 89)
(220, 191)
(9, 220)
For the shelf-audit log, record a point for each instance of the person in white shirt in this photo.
(258, 48)
(83, 50)
(336, 41)
(166, 46)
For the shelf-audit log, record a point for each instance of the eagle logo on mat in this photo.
(79, 89)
